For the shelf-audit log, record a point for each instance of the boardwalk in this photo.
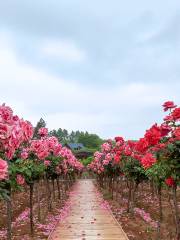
(88, 219)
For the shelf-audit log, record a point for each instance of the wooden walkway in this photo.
(88, 219)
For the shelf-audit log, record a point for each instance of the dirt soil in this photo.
(134, 224)
(20, 216)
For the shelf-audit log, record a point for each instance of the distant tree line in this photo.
(89, 140)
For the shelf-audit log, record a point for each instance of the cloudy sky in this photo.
(101, 66)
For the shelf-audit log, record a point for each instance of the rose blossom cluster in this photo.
(69, 162)
(13, 132)
(98, 162)
(16, 133)
(49, 146)
(43, 132)
(145, 148)
(106, 147)
(43, 147)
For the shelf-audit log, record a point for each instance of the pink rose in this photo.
(20, 179)
(6, 113)
(42, 155)
(106, 147)
(47, 163)
(3, 169)
(27, 129)
(57, 148)
(10, 152)
(58, 170)
(105, 162)
(5, 131)
(43, 132)
(24, 155)
(168, 118)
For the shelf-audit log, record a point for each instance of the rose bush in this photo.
(25, 161)
(155, 156)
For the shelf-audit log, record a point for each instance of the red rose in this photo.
(168, 105)
(142, 145)
(176, 132)
(165, 129)
(131, 144)
(117, 158)
(119, 139)
(176, 114)
(153, 135)
(148, 160)
(170, 182)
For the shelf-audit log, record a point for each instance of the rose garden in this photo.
(137, 180)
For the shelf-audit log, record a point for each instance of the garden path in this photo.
(89, 218)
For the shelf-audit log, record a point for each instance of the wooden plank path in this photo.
(88, 219)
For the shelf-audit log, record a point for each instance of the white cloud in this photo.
(125, 109)
(63, 49)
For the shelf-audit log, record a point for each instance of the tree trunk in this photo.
(160, 203)
(53, 189)
(117, 188)
(112, 188)
(121, 188)
(9, 215)
(152, 188)
(49, 201)
(160, 212)
(129, 197)
(177, 219)
(158, 230)
(58, 187)
(31, 209)
(66, 184)
(38, 200)
(133, 195)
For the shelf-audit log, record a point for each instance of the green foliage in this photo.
(90, 140)
(158, 172)
(112, 170)
(133, 170)
(168, 164)
(4, 194)
(64, 136)
(173, 160)
(31, 170)
(87, 161)
(51, 170)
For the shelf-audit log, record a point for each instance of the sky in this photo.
(101, 66)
